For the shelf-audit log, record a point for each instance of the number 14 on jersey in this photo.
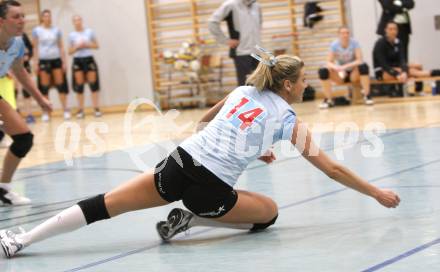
(245, 113)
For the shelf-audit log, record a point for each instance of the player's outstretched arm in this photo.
(302, 139)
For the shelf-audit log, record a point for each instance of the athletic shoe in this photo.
(80, 114)
(326, 104)
(177, 222)
(11, 198)
(98, 113)
(45, 117)
(368, 100)
(66, 115)
(9, 243)
(30, 119)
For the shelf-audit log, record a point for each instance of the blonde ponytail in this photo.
(261, 78)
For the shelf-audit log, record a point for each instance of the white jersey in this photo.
(48, 39)
(248, 124)
(85, 36)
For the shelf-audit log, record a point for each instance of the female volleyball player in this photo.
(51, 65)
(84, 68)
(204, 168)
(344, 64)
(11, 58)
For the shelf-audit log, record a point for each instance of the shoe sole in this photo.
(5, 251)
(174, 212)
(4, 248)
(158, 227)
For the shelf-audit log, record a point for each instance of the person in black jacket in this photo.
(389, 61)
(244, 19)
(397, 11)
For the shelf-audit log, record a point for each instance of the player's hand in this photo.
(82, 45)
(268, 157)
(232, 43)
(339, 68)
(388, 198)
(343, 68)
(45, 104)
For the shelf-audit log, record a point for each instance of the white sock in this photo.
(66, 221)
(206, 222)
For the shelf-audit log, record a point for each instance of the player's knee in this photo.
(274, 208)
(22, 144)
(263, 226)
(324, 73)
(364, 69)
(78, 88)
(44, 89)
(435, 72)
(94, 209)
(94, 86)
(62, 88)
(270, 208)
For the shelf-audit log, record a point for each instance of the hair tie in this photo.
(272, 60)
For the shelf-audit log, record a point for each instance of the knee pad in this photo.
(364, 69)
(323, 73)
(21, 144)
(94, 209)
(62, 88)
(44, 89)
(435, 72)
(419, 86)
(94, 86)
(78, 88)
(378, 73)
(258, 226)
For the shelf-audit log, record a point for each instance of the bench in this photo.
(357, 97)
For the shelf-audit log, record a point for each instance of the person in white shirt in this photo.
(84, 68)
(51, 64)
(344, 64)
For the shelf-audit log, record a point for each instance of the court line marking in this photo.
(65, 169)
(402, 256)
